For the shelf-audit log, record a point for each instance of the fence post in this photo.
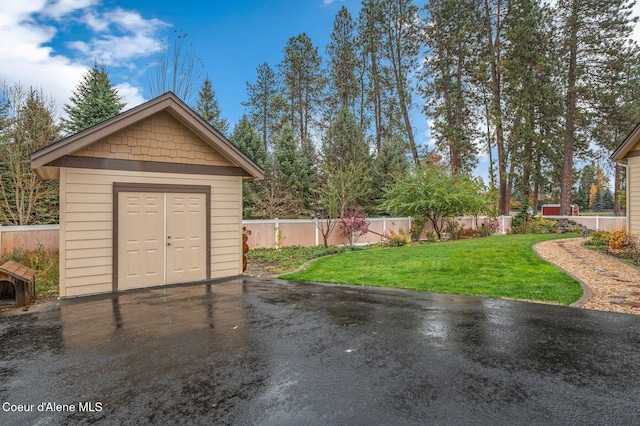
(597, 222)
(276, 242)
(315, 222)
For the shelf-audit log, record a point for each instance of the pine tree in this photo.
(593, 33)
(369, 40)
(344, 142)
(209, 109)
(93, 101)
(400, 36)
(342, 62)
(292, 169)
(303, 83)
(532, 117)
(246, 139)
(452, 33)
(263, 103)
(390, 163)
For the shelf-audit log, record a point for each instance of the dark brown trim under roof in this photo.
(627, 144)
(167, 102)
(147, 166)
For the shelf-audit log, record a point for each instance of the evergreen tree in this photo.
(246, 139)
(342, 62)
(492, 13)
(593, 33)
(263, 103)
(390, 163)
(400, 27)
(583, 190)
(369, 39)
(303, 83)
(209, 109)
(532, 116)
(451, 32)
(291, 169)
(344, 142)
(93, 101)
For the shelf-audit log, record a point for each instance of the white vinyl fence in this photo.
(275, 233)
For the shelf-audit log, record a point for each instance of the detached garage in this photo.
(150, 197)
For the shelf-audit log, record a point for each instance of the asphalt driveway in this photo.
(276, 353)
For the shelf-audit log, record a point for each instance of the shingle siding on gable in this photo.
(159, 138)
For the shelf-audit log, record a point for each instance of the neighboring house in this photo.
(628, 156)
(150, 197)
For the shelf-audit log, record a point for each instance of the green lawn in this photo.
(497, 266)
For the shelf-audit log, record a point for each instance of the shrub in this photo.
(520, 222)
(540, 225)
(353, 224)
(417, 225)
(453, 228)
(619, 240)
(470, 233)
(599, 239)
(399, 239)
(491, 225)
(431, 236)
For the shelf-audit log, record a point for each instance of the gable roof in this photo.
(168, 102)
(627, 145)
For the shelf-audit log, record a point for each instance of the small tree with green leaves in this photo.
(339, 189)
(430, 192)
(93, 101)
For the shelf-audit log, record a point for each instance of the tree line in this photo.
(536, 87)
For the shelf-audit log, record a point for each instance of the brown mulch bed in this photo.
(614, 284)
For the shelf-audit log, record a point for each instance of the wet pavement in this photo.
(276, 353)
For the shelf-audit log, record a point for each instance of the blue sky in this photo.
(50, 43)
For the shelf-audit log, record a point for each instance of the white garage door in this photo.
(161, 238)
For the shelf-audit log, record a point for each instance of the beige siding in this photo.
(159, 138)
(633, 195)
(86, 224)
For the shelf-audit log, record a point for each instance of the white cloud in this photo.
(131, 95)
(28, 28)
(61, 8)
(121, 36)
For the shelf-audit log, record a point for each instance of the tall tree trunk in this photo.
(571, 102)
(617, 183)
(496, 105)
(377, 103)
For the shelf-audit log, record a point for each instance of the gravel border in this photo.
(614, 285)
